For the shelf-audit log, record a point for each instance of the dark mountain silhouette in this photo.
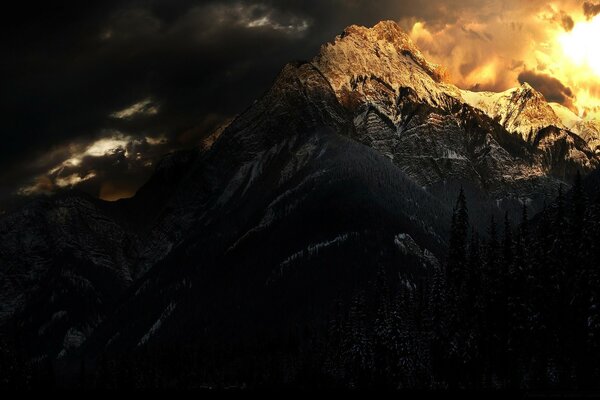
(307, 246)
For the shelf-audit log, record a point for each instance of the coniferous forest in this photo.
(514, 307)
(522, 301)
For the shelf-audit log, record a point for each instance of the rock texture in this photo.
(522, 110)
(588, 130)
(401, 106)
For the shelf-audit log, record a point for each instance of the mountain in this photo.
(402, 107)
(240, 260)
(522, 110)
(588, 130)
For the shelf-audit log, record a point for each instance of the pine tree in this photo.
(457, 256)
(592, 306)
(358, 343)
(507, 243)
(458, 279)
(334, 358)
(474, 309)
(437, 324)
(540, 284)
(579, 201)
(491, 283)
(474, 269)
(524, 226)
(387, 330)
(405, 338)
(577, 276)
(518, 302)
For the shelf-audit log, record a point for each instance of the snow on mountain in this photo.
(375, 66)
(521, 110)
(403, 107)
(588, 130)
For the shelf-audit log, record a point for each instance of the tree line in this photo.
(520, 305)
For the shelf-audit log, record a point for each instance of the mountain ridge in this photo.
(351, 159)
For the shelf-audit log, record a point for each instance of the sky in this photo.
(92, 94)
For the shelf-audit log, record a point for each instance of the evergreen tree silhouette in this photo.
(457, 254)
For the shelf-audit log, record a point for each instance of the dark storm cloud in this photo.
(552, 89)
(567, 22)
(591, 9)
(484, 36)
(563, 19)
(116, 173)
(67, 69)
(67, 75)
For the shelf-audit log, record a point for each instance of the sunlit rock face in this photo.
(521, 110)
(370, 66)
(588, 130)
(402, 106)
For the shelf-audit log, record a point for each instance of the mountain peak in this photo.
(371, 65)
(521, 110)
(527, 93)
(385, 30)
(526, 86)
(388, 34)
(587, 130)
(388, 31)
(371, 68)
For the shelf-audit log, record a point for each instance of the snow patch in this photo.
(156, 326)
(309, 252)
(74, 338)
(313, 249)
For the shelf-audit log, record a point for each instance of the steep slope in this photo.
(259, 171)
(561, 141)
(401, 106)
(63, 261)
(522, 110)
(308, 219)
(371, 65)
(353, 212)
(66, 260)
(588, 130)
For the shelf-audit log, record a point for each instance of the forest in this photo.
(516, 307)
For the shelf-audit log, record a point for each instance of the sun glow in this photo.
(581, 45)
(556, 49)
(576, 62)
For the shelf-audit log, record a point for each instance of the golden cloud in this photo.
(491, 49)
(81, 163)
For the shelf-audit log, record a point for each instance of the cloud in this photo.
(143, 69)
(264, 16)
(567, 22)
(559, 17)
(552, 89)
(141, 108)
(591, 9)
(111, 165)
(41, 185)
(74, 75)
(473, 34)
(73, 179)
